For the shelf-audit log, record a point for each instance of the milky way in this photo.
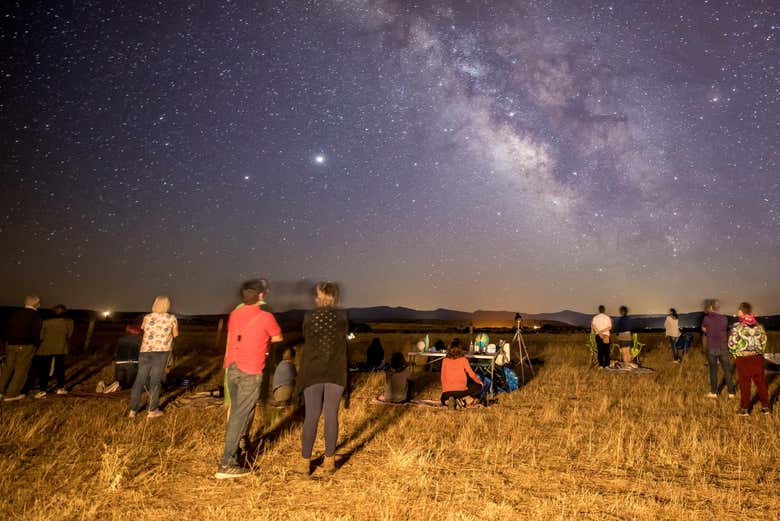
(529, 156)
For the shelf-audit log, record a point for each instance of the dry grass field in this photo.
(573, 443)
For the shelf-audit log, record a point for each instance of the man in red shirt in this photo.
(250, 331)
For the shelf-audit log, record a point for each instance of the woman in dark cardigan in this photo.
(323, 375)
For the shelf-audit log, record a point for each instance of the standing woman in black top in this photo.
(323, 374)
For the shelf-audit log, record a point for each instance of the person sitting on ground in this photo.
(284, 378)
(55, 336)
(398, 386)
(672, 327)
(747, 343)
(126, 358)
(456, 389)
(623, 330)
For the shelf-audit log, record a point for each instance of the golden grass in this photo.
(574, 443)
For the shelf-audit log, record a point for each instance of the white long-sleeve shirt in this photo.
(672, 326)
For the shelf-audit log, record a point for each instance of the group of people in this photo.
(741, 347)
(35, 348)
(322, 378)
(146, 353)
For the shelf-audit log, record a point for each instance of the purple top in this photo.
(716, 325)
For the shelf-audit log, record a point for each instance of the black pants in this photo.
(603, 351)
(43, 367)
(473, 390)
(125, 374)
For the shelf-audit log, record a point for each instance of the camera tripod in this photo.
(522, 350)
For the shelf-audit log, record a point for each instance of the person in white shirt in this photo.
(601, 326)
(672, 327)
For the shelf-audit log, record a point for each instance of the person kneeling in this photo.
(455, 372)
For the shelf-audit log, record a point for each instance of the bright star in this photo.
(319, 159)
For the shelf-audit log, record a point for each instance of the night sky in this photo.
(528, 156)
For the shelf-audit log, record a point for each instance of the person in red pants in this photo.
(746, 343)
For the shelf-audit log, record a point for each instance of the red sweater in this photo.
(453, 374)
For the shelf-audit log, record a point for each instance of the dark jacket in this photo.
(23, 327)
(127, 348)
(324, 358)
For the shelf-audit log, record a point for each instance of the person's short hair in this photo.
(397, 361)
(712, 304)
(455, 350)
(328, 293)
(602, 309)
(746, 308)
(32, 300)
(252, 289)
(673, 312)
(59, 309)
(623, 310)
(161, 304)
(288, 353)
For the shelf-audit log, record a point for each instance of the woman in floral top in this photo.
(160, 328)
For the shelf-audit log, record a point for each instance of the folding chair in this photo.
(594, 350)
(636, 348)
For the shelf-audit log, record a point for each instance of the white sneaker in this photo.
(40, 394)
(13, 398)
(114, 387)
(712, 395)
(100, 387)
(62, 390)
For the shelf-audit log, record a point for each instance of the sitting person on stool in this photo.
(455, 387)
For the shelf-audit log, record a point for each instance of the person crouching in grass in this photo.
(456, 389)
(747, 342)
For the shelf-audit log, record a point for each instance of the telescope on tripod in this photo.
(525, 359)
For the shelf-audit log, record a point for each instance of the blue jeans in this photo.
(151, 366)
(244, 391)
(673, 346)
(725, 363)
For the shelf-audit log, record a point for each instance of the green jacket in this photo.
(55, 336)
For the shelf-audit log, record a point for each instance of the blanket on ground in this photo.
(415, 403)
(620, 367)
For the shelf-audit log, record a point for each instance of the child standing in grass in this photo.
(747, 342)
(455, 387)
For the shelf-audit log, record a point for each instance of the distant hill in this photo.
(480, 318)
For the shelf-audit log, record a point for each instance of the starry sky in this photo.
(530, 156)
